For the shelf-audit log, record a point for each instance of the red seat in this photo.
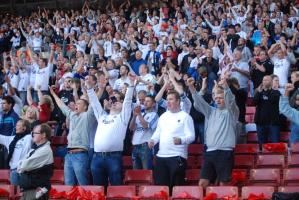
(153, 192)
(4, 176)
(127, 162)
(58, 177)
(249, 118)
(246, 149)
(189, 192)
(192, 176)
(121, 192)
(138, 177)
(295, 148)
(94, 188)
(60, 188)
(194, 162)
(9, 190)
(257, 190)
(288, 189)
(249, 101)
(252, 137)
(269, 149)
(284, 136)
(250, 110)
(291, 176)
(270, 161)
(59, 140)
(195, 149)
(244, 161)
(58, 163)
(293, 160)
(269, 177)
(222, 191)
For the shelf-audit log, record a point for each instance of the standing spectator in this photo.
(267, 101)
(109, 139)
(8, 123)
(137, 62)
(174, 138)
(18, 146)
(37, 167)
(220, 138)
(143, 123)
(76, 161)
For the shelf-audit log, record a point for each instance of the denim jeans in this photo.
(211, 78)
(14, 177)
(106, 167)
(76, 167)
(294, 137)
(142, 157)
(267, 133)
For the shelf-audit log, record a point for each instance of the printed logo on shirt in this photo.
(105, 121)
(179, 121)
(265, 97)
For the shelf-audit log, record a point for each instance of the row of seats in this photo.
(162, 192)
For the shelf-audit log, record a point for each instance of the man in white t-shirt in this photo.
(109, 139)
(281, 63)
(174, 132)
(143, 123)
(123, 72)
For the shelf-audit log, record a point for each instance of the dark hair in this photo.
(151, 97)
(85, 102)
(9, 100)
(45, 128)
(26, 124)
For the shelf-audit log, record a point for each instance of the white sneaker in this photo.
(40, 192)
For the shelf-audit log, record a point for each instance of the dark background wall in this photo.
(24, 7)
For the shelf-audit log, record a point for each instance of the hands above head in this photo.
(288, 88)
(133, 79)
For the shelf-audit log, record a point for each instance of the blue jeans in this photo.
(76, 168)
(14, 177)
(106, 167)
(294, 137)
(267, 133)
(211, 78)
(142, 157)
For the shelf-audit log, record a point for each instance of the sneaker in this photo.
(40, 192)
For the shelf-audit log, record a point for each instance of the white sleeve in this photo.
(188, 131)
(127, 105)
(95, 104)
(6, 140)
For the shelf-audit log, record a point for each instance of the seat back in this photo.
(187, 192)
(270, 161)
(291, 176)
(264, 177)
(223, 191)
(58, 177)
(267, 191)
(139, 176)
(121, 192)
(153, 192)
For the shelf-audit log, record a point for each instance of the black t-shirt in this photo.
(257, 75)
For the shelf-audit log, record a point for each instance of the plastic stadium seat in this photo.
(288, 189)
(4, 176)
(58, 163)
(246, 149)
(138, 177)
(192, 192)
(121, 192)
(283, 151)
(195, 149)
(61, 188)
(257, 190)
(293, 160)
(94, 188)
(10, 191)
(269, 177)
(250, 110)
(252, 137)
(58, 177)
(284, 136)
(270, 161)
(295, 148)
(192, 176)
(291, 176)
(223, 191)
(127, 162)
(249, 118)
(194, 162)
(153, 192)
(59, 140)
(244, 161)
(249, 101)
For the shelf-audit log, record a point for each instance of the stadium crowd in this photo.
(149, 79)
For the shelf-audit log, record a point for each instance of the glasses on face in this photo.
(35, 133)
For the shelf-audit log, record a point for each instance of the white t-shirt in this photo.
(24, 80)
(42, 76)
(120, 82)
(113, 75)
(281, 69)
(142, 86)
(242, 79)
(172, 125)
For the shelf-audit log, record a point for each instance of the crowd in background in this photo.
(109, 77)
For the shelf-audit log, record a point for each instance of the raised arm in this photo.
(127, 104)
(29, 96)
(285, 108)
(65, 110)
